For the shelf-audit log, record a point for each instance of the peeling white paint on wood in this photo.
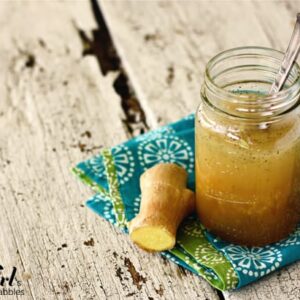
(50, 97)
(165, 45)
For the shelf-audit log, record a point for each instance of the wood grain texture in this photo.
(52, 99)
(164, 46)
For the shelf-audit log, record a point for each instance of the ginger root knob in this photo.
(165, 203)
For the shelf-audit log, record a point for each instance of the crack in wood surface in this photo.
(220, 294)
(102, 47)
(43, 115)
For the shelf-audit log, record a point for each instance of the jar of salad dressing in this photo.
(248, 148)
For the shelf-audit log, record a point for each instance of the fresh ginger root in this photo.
(165, 203)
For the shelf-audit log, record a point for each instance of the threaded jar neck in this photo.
(237, 82)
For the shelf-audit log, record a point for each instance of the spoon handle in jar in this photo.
(288, 60)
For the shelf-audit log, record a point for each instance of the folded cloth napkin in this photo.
(114, 175)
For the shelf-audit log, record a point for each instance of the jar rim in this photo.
(269, 97)
(271, 104)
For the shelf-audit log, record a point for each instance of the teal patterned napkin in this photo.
(114, 176)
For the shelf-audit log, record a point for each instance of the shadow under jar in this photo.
(248, 148)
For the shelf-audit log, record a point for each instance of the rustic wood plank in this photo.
(164, 47)
(52, 96)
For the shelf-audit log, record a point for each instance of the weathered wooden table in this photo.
(76, 76)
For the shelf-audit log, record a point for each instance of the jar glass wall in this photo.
(248, 148)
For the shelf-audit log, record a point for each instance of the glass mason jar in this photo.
(248, 148)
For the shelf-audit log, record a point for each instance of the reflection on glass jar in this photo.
(248, 148)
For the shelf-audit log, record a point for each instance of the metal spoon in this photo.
(288, 59)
